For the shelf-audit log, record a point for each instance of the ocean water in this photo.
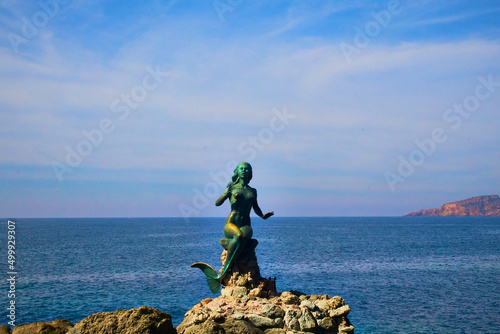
(398, 274)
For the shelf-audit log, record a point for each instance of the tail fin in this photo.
(212, 276)
(213, 284)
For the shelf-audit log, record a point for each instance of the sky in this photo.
(343, 108)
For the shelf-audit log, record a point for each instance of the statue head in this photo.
(242, 171)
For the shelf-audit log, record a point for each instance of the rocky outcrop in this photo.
(144, 320)
(4, 329)
(475, 206)
(250, 303)
(288, 312)
(54, 327)
(246, 265)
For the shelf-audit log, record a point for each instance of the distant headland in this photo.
(475, 206)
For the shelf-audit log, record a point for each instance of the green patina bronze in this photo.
(237, 229)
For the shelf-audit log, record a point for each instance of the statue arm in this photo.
(224, 196)
(258, 211)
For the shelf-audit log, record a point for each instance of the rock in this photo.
(279, 322)
(336, 302)
(239, 291)
(274, 331)
(225, 326)
(307, 322)
(245, 269)
(54, 327)
(240, 327)
(341, 311)
(323, 305)
(200, 318)
(4, 329)
(326, 323)
(226, 292)
(348, 329)
(205, 301)
(273, 311)
(209, 327)
(143, 320)
(292, 319)
(308, 304)
(242, 281)
(289, 298)
(322, 315)
(252, 263)
(260, 321)
(254, 293)
(344, 326)
(238, 316)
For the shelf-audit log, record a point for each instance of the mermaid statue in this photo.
(237, 229)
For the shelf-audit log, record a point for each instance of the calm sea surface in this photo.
(398, 274)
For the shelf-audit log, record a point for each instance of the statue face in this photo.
(244, 171)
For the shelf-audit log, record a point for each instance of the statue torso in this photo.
(242, 200)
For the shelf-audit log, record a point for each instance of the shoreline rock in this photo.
(250, 303)
(142, 320)
(287, 312)
(59, 326)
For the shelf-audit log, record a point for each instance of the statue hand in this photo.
(267, 215)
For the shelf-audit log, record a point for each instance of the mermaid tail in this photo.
(214, 280)
(234, 250)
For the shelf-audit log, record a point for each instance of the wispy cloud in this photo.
(454, 17)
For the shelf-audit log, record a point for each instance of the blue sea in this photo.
(398, 274)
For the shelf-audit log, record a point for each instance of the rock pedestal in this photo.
(250, 303)
(244, 276)
(287, 312)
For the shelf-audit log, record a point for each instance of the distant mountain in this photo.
(475, 206)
